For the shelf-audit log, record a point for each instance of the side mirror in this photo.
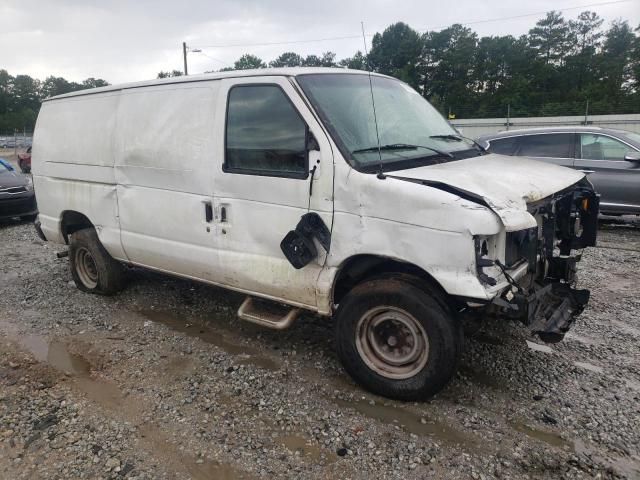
(632, 156)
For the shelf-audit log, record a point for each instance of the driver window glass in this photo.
(599, 147)
(265, 134)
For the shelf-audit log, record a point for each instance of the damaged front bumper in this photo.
(545, 299)
(548, 310)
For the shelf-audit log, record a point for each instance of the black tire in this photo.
(92, 268)
(444, 338)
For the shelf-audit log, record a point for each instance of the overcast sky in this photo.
(123, 41)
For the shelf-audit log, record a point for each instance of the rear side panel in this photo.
(72, 165)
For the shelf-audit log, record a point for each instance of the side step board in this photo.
(253, 313)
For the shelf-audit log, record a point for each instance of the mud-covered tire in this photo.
(409, 308)
(92, 268)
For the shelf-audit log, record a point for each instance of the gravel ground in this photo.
(163, 381)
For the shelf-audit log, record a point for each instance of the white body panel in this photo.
(142, 161)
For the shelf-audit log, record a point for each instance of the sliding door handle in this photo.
(208, 212)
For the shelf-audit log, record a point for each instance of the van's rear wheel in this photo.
(92, 268)
(397, 340)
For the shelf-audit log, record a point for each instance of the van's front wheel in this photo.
(92, 268)
(397, 340)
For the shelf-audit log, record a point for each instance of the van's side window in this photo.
(265, 135)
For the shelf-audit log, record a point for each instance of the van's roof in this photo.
(261, 72)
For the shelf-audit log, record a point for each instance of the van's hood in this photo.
(505, 184)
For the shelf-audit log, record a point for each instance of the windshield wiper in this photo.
(403, 146)
(459, 138)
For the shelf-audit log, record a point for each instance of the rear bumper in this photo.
(18, 207)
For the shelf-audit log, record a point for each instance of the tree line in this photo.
(20, 97)
(554, 69)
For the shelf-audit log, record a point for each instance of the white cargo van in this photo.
(321, 190)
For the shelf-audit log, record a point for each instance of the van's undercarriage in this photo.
(545, 298)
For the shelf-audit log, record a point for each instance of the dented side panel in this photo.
(72, 165)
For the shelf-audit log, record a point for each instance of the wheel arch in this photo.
(362, 267)
(71, 221)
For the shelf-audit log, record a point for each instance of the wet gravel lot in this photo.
(163, 381)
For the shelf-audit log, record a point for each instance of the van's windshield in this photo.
(411, 131)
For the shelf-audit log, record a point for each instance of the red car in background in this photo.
(24, 161)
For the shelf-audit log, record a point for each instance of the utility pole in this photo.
(586, 113)
(184, 55)
(508, 115)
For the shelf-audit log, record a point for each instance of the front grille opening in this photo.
(521, 245)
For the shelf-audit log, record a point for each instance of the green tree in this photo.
(447, 65)
(172, 73)
(581, 65)
(287, 59)
(328, 59)
(616, 68)
(53, 86)
(397, 52)
(551, 38)
(248, 62)
(357, 62)
(94, 83)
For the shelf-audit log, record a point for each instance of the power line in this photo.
(214, 59)
(351, 37)
(282, 43)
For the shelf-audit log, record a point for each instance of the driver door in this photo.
(270, 175)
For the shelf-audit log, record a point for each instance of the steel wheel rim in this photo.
(392, 342)
(86, 268)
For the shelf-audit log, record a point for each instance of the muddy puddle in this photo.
(56, 353)
(549, 438)
(212, 470)
(302, 447)
(411, 422)
(248, 355)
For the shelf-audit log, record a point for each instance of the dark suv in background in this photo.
(611, 158)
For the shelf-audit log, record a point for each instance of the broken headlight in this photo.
(521, 245)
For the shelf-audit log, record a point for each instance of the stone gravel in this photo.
(163, 381)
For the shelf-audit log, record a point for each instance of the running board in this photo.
(253, 313)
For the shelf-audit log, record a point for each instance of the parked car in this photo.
(24, 161)
(8, 143)
(611, 158)
(16, 194)
(294, 196)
